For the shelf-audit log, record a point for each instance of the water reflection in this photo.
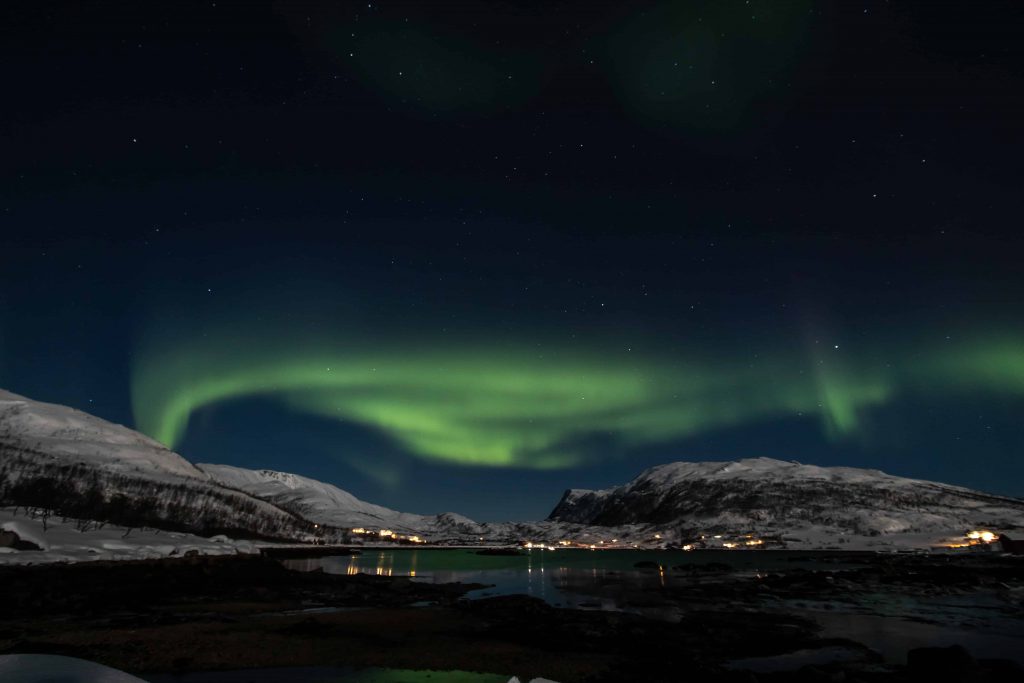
(638, 581)
(560, 577)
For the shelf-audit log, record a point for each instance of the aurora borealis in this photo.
(463, 257)
(492, 405)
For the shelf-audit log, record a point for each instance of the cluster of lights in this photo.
(531, 544)
(564, 543)
(976, 538)
(746, 541)
(387, 533)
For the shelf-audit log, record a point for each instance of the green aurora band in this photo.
(503, 405)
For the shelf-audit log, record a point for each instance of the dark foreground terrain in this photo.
(194, 614)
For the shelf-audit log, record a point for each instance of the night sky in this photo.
(464, 256)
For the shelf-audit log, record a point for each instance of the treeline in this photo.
(32, 479)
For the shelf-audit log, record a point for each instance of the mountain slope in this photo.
(769, 496)
(64, 435)
(327, 504)
(64, 461)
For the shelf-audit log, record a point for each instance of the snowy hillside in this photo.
(65, 462)
(327, 504)
(60, 540)
(74, 464)
(316, 500)
(69, 436)
(766, 497)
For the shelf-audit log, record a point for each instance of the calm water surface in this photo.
(561, 576)
(581, 579)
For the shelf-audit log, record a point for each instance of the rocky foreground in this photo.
(204, 613)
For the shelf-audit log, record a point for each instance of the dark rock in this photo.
(1001, 670)
(9, 539)
(948, 664)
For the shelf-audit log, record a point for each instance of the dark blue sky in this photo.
(745, 230)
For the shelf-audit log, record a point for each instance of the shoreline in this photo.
(241, 612)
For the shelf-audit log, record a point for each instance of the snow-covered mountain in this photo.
(316, 501)
(53, 456)
(327, 504)
(767, 497)
(56, 458)
(63, 435)
(77, 465)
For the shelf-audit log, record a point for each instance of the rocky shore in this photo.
(210, 613)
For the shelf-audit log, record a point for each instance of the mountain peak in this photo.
(76, 436)
(781, 497)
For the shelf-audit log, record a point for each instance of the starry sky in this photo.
(462, 256)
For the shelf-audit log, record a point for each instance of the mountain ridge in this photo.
(66, 461)
(52, 456)
(777, 497)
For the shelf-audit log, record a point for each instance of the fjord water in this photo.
(634, 580)
(562, 577)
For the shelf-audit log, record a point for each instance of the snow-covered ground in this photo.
(63, 542)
